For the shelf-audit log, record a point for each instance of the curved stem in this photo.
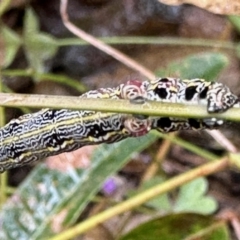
(102, 46)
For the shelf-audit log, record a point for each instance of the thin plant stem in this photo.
(102, 46)
(160, 156)
(4, 5)
(185, 144)
(3, 177)
(149, 108)
(143, 40)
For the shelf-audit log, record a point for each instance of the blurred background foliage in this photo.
(39, 55)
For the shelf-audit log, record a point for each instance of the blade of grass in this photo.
(150, 108)
(3, 177)
(172, 41)
(193, 148)
(4, 5)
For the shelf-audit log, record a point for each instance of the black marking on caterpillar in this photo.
(50, 132)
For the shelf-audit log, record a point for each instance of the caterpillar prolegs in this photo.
(50, 132)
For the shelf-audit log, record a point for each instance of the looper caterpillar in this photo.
(50, 132)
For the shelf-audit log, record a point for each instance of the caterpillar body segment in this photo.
(50, 132)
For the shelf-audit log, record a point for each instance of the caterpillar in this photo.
(49, 132)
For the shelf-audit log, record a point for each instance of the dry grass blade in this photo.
(222, 140)
(102, 46)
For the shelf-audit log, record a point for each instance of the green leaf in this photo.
(205, 65)
(180, 226)
(31, 25)
(192, 198)
(38, 46)
(160, 203)
(12, 43)
(48, 194)
(235, 20)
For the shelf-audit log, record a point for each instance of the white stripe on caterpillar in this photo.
(50, 132)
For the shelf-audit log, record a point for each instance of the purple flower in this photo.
(109, 186)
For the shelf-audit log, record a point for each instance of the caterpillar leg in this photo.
(212, 123)
(137, 127)
(139, 124)
(169, 124)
